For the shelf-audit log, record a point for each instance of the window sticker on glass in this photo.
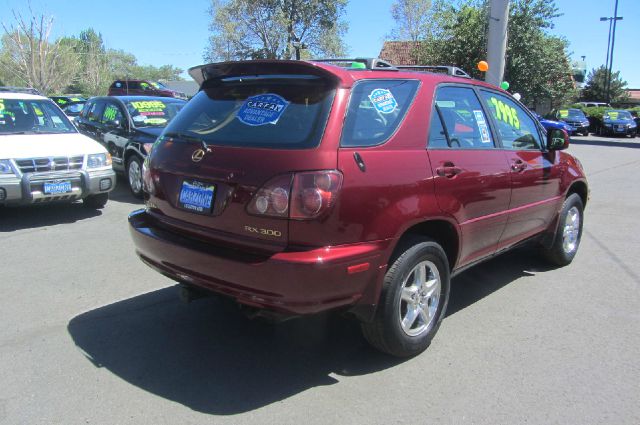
(150, 107)
(262, 109)
(482, 126)
(505, 113)
(110, 113)
(563, 113)
(383, 101)
(612, 115)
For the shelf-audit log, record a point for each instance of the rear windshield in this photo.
(154, 112)
(271, 111)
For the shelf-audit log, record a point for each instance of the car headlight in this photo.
(97, 160)
(5, 167)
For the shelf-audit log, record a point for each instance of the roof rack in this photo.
(369, 63)
(449, 70)
(382, 65)
(28, 90)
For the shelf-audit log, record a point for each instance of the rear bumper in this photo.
(299, 282)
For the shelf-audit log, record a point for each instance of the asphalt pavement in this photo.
(89, 334)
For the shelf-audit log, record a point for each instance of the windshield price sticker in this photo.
(149, 106)
(564, 113)
(612, 115)
(505, 113)
(383, 101)
(262, 109)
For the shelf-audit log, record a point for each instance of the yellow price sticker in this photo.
(150, 105)
(505, 113)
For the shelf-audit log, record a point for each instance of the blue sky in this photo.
(176, 32)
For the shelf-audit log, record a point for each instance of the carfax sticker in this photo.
(383, 101)
(482, 126)
(262, 109)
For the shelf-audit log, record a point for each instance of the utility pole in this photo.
(497, 41)
(613, 43)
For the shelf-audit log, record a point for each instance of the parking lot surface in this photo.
(89, 334)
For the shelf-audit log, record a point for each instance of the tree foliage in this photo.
(596, 87)
(537, 64)
(273, 29)
(411, 18)
(68, 64)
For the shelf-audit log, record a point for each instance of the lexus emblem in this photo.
(198, 155)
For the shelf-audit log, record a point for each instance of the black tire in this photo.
(559, 253)
(96, 201)
(134, 166)
(585, 133)
(386, 332)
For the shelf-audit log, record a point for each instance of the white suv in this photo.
(44, 159)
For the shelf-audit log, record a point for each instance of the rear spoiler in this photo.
(206, 72)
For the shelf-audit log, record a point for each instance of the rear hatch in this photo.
(239, 135)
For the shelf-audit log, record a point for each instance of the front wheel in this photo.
(134, 175)
(567, 240)
(96, 201)
(413, 300)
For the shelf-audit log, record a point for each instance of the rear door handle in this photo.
(448, 170)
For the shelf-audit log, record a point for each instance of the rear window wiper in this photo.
(188, 138)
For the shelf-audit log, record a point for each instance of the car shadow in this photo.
(207, 356)
(121, 192)
(29, 217)
(602, 141)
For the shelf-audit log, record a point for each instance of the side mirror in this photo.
(112, 125)
(557, 139)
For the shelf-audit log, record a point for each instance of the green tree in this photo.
(411, 17)
(94, 77)
(30, 59)
(537, 64)
(596, 86)
(275, 29)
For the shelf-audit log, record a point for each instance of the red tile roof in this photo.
(399, 52)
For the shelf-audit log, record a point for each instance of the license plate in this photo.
(196, 196)
(56, 187)
(620, 128)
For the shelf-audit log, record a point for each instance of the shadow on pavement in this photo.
(209, 357)
(28, 217)
(121, 192)
(614, 143)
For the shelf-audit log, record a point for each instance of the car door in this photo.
(471, 175)
(116, 133)
(534, 172)
(89, 122)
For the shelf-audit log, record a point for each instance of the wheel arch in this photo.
(580, 188)
(441, 231)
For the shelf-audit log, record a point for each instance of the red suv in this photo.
(295, 187)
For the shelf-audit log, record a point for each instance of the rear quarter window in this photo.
(376, 109)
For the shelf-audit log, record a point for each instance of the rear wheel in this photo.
(96, 201)
(413, 300)
(134, 175)
(567, 240)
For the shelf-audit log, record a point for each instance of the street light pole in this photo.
(613, 43)
(606, 62)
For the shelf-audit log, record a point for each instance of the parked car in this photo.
(44, 159)
(311, 187)
(73, 109)
(66, 99)
(618, 123)
(591, 104)
(575, 118)
(143, 88)
(128, 126)
(550, 124)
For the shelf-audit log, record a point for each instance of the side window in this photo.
(437, 136)
(133, 85)
(375, 111)
(465, 124)
(111, 113)
(517, 129)
(95, 112)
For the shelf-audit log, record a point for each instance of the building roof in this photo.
(634, 94)
(399, 52)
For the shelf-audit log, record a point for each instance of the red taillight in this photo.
(299, 196)
(313, 193)
(273, 198)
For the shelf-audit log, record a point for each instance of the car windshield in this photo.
(158, 85)
(576, 113)
(617, 115)
(156, 112)
(266, 111)
(20, 116)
